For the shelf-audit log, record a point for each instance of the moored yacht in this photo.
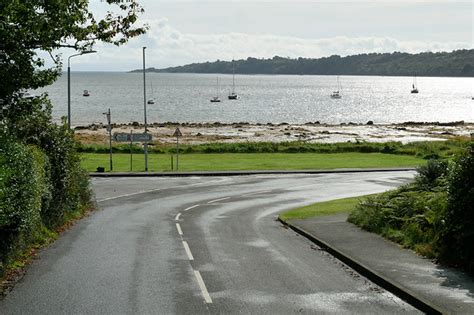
(216, 99)
(414, 87)
(233, 95)
(337, 94)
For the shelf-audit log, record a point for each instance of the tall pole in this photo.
(69, 84)
(109, 119)
(68, 94)
(144, 109)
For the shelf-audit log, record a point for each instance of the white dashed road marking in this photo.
(128, 195)
(178, 227)
(177, 216)
(220, 199)
(202, 285)
(192, 207)
(188, 250)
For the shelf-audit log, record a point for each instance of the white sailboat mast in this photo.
(233, 77)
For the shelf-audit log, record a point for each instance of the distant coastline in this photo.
(458, 63)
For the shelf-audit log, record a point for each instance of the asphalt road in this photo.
(202, 245)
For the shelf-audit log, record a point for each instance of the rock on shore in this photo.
(196, 133)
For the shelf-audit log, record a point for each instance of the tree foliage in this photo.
(41, 181)
(456, 63)
(458, 237)
(30, 26)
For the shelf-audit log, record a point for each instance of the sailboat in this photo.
(152, 99)
(414, 89)
(216, 98)
(233, 95)
(337, 94)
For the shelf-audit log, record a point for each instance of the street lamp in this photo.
(144, 110)
(69, 83)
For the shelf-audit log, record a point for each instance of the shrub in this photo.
(23, 191)
(434, 215)
(458, 236)
(69, 183)
(430, 173)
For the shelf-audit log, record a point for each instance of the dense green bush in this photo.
(69, 183)
(430, 174)
(24, 190)
(408, 215)
(41, 182)
(434, 215)
(458, 237)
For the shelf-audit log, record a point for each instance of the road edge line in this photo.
(251, 172)
(401, 292)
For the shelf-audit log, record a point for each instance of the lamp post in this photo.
(69, 83)
(144, 109)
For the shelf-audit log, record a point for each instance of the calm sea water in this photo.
(263, 98)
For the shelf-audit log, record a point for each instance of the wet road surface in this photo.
(202, 245)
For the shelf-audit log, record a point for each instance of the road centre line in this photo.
(131, 194)
(177, 216)
(188, 250)
(178, 227)
(158, 189)
(216, 200)
(192, 207)
(202, 285)
(258, 192)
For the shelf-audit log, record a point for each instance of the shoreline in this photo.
(311, 132)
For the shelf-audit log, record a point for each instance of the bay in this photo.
(263, 98)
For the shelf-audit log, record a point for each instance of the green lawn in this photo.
(250, 161)
(323, 208)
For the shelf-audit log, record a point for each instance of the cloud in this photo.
(167, 46)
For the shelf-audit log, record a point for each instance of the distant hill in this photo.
(459, 63)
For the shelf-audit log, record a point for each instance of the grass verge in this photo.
(323, 208)
(423, 149)
(250, 161)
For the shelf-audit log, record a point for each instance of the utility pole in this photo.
(144, 108)
(109, 129)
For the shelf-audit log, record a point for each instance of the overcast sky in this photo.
(183, 32)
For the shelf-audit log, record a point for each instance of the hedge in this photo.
(23, 190)
(41, 187)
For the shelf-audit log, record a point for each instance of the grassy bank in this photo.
(424, 149)
(251, 161)
(433, 215)
(344, 205)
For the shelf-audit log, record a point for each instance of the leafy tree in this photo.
(41, 181)
(30, 26)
